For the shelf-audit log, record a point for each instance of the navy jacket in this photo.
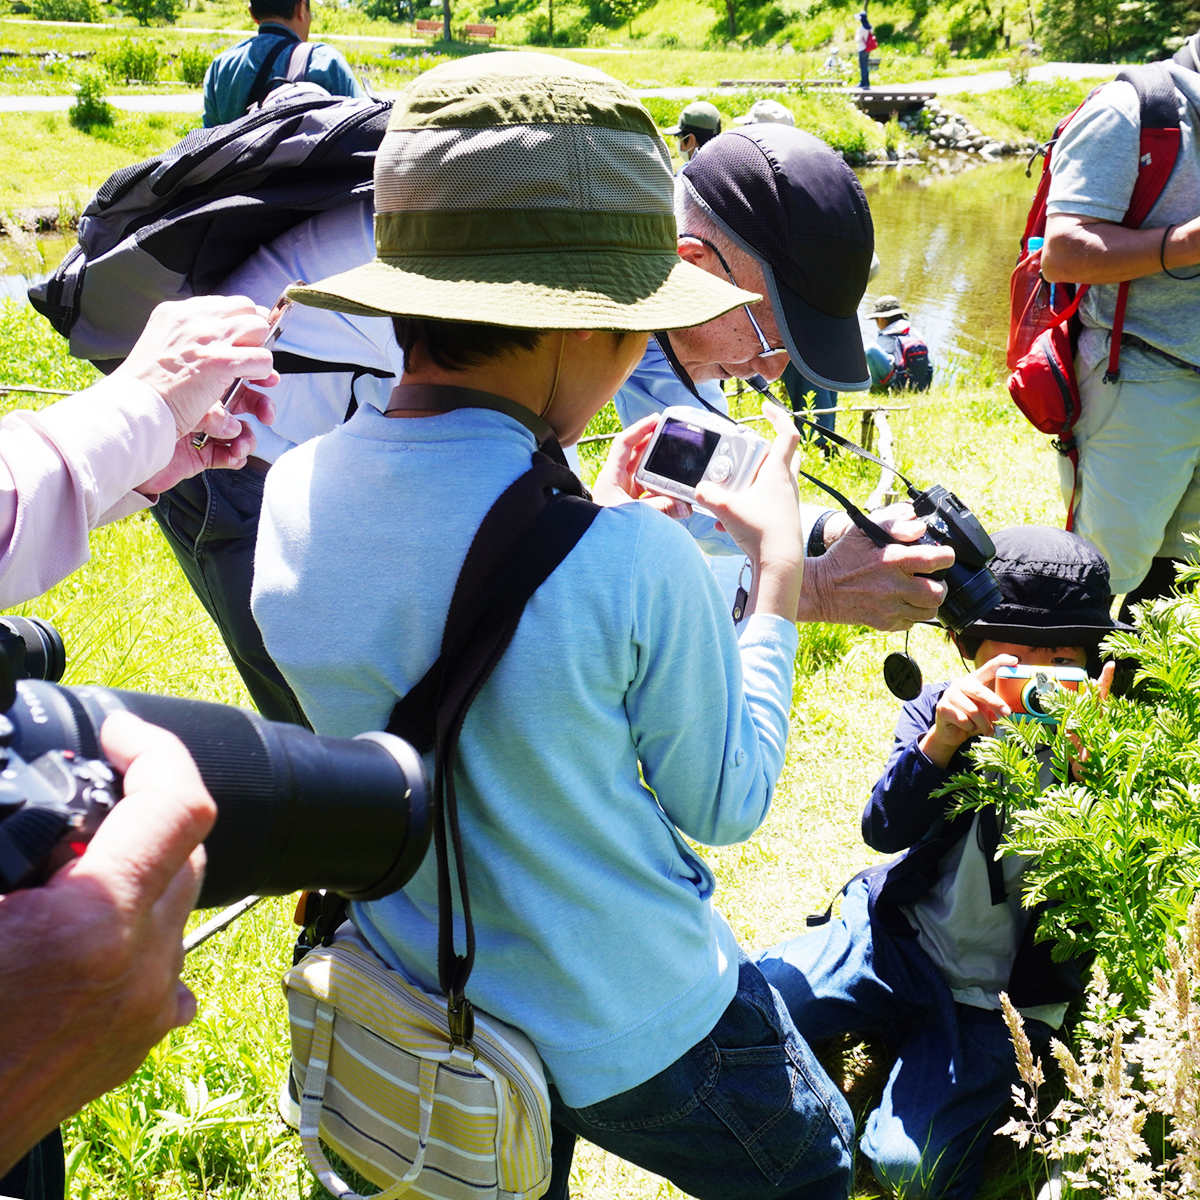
(903, 815)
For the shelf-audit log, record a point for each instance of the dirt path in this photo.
(987, 81)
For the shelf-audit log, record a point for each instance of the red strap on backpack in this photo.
(1044, 323)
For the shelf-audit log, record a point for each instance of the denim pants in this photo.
(41, 1174)
(211, 524)
(747, 1113)
(949, 1089)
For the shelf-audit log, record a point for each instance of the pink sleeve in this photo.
(68, 468)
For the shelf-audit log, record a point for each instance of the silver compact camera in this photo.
(691, 445)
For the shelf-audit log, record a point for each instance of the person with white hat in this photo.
(525, 248)
(766, 110)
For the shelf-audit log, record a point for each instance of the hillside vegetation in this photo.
(941, 33)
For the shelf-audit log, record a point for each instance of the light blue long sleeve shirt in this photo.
(231, 75)
(595, 925)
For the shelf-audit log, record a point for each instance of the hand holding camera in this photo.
(691, 447)
(193, 351)
(90, 963)
(764, 519)
(969, 707)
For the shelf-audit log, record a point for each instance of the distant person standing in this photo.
(864, 43)
(698, 124)
(246, 74)
(899, 357)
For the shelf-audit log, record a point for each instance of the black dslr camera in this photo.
(971, 588)
(294, 811)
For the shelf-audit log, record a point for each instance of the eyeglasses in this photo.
(767, 350)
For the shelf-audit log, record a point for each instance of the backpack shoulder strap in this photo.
(297, 69)
(1158, 148)
(262, 81)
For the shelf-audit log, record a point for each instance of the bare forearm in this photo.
(1086, 250)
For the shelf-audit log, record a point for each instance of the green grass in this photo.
(198, 1119)
(49, 163)
(1031, 110)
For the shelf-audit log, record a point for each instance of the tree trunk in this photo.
(732, 11)
(552, 22)
(446, 21)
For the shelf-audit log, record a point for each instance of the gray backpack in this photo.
(176, 225)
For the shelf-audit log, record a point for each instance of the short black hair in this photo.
(457, 345)
(968, 646)
(262, 9)
(702, 136)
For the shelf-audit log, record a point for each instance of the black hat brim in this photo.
(1046, 635)
(827, 350)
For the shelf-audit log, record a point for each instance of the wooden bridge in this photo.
(875, 102)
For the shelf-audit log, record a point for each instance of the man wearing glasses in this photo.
(778, 212)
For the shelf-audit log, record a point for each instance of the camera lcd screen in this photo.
(682, 452)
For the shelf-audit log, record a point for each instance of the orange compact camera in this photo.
(1025, 689)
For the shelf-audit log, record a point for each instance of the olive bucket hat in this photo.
(527, 191)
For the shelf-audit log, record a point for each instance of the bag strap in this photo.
(313, 1098)
(298, 62)
(262, 81)
(529, 530)
(1158, 148)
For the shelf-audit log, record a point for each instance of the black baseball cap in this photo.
(791, 203)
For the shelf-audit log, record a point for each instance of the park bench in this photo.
(428, 28)
(482, 33)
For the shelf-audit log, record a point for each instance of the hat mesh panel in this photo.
(580, 168)
(739, 187)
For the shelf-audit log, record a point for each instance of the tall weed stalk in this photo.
(1120, 1074)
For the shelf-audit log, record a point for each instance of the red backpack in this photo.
(1043, 318)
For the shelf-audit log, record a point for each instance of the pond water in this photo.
(28, 259)
(947, 244)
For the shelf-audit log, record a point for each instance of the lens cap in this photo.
(902, 674)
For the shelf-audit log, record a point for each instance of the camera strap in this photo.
(529, 530)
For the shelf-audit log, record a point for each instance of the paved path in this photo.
(987, 81)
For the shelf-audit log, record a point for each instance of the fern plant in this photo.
(1115, 839)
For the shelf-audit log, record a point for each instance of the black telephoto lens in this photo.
(294, 811)
(33, 648)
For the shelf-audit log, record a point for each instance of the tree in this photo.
(624, 11)
(1110, 30)
(152, 10)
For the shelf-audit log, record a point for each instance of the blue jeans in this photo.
(746, 1114)
(950, 1086)
(211, 523)
(864, 69)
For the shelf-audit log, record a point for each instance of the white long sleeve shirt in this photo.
(69, 468)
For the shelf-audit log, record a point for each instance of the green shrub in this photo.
(131, 59)
(65, 10)
(1115, 839)
(145, 11)
(193, 62)
(89, 107)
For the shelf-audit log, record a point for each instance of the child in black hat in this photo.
(925, 943)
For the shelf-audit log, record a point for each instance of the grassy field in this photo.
(198, 1119)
